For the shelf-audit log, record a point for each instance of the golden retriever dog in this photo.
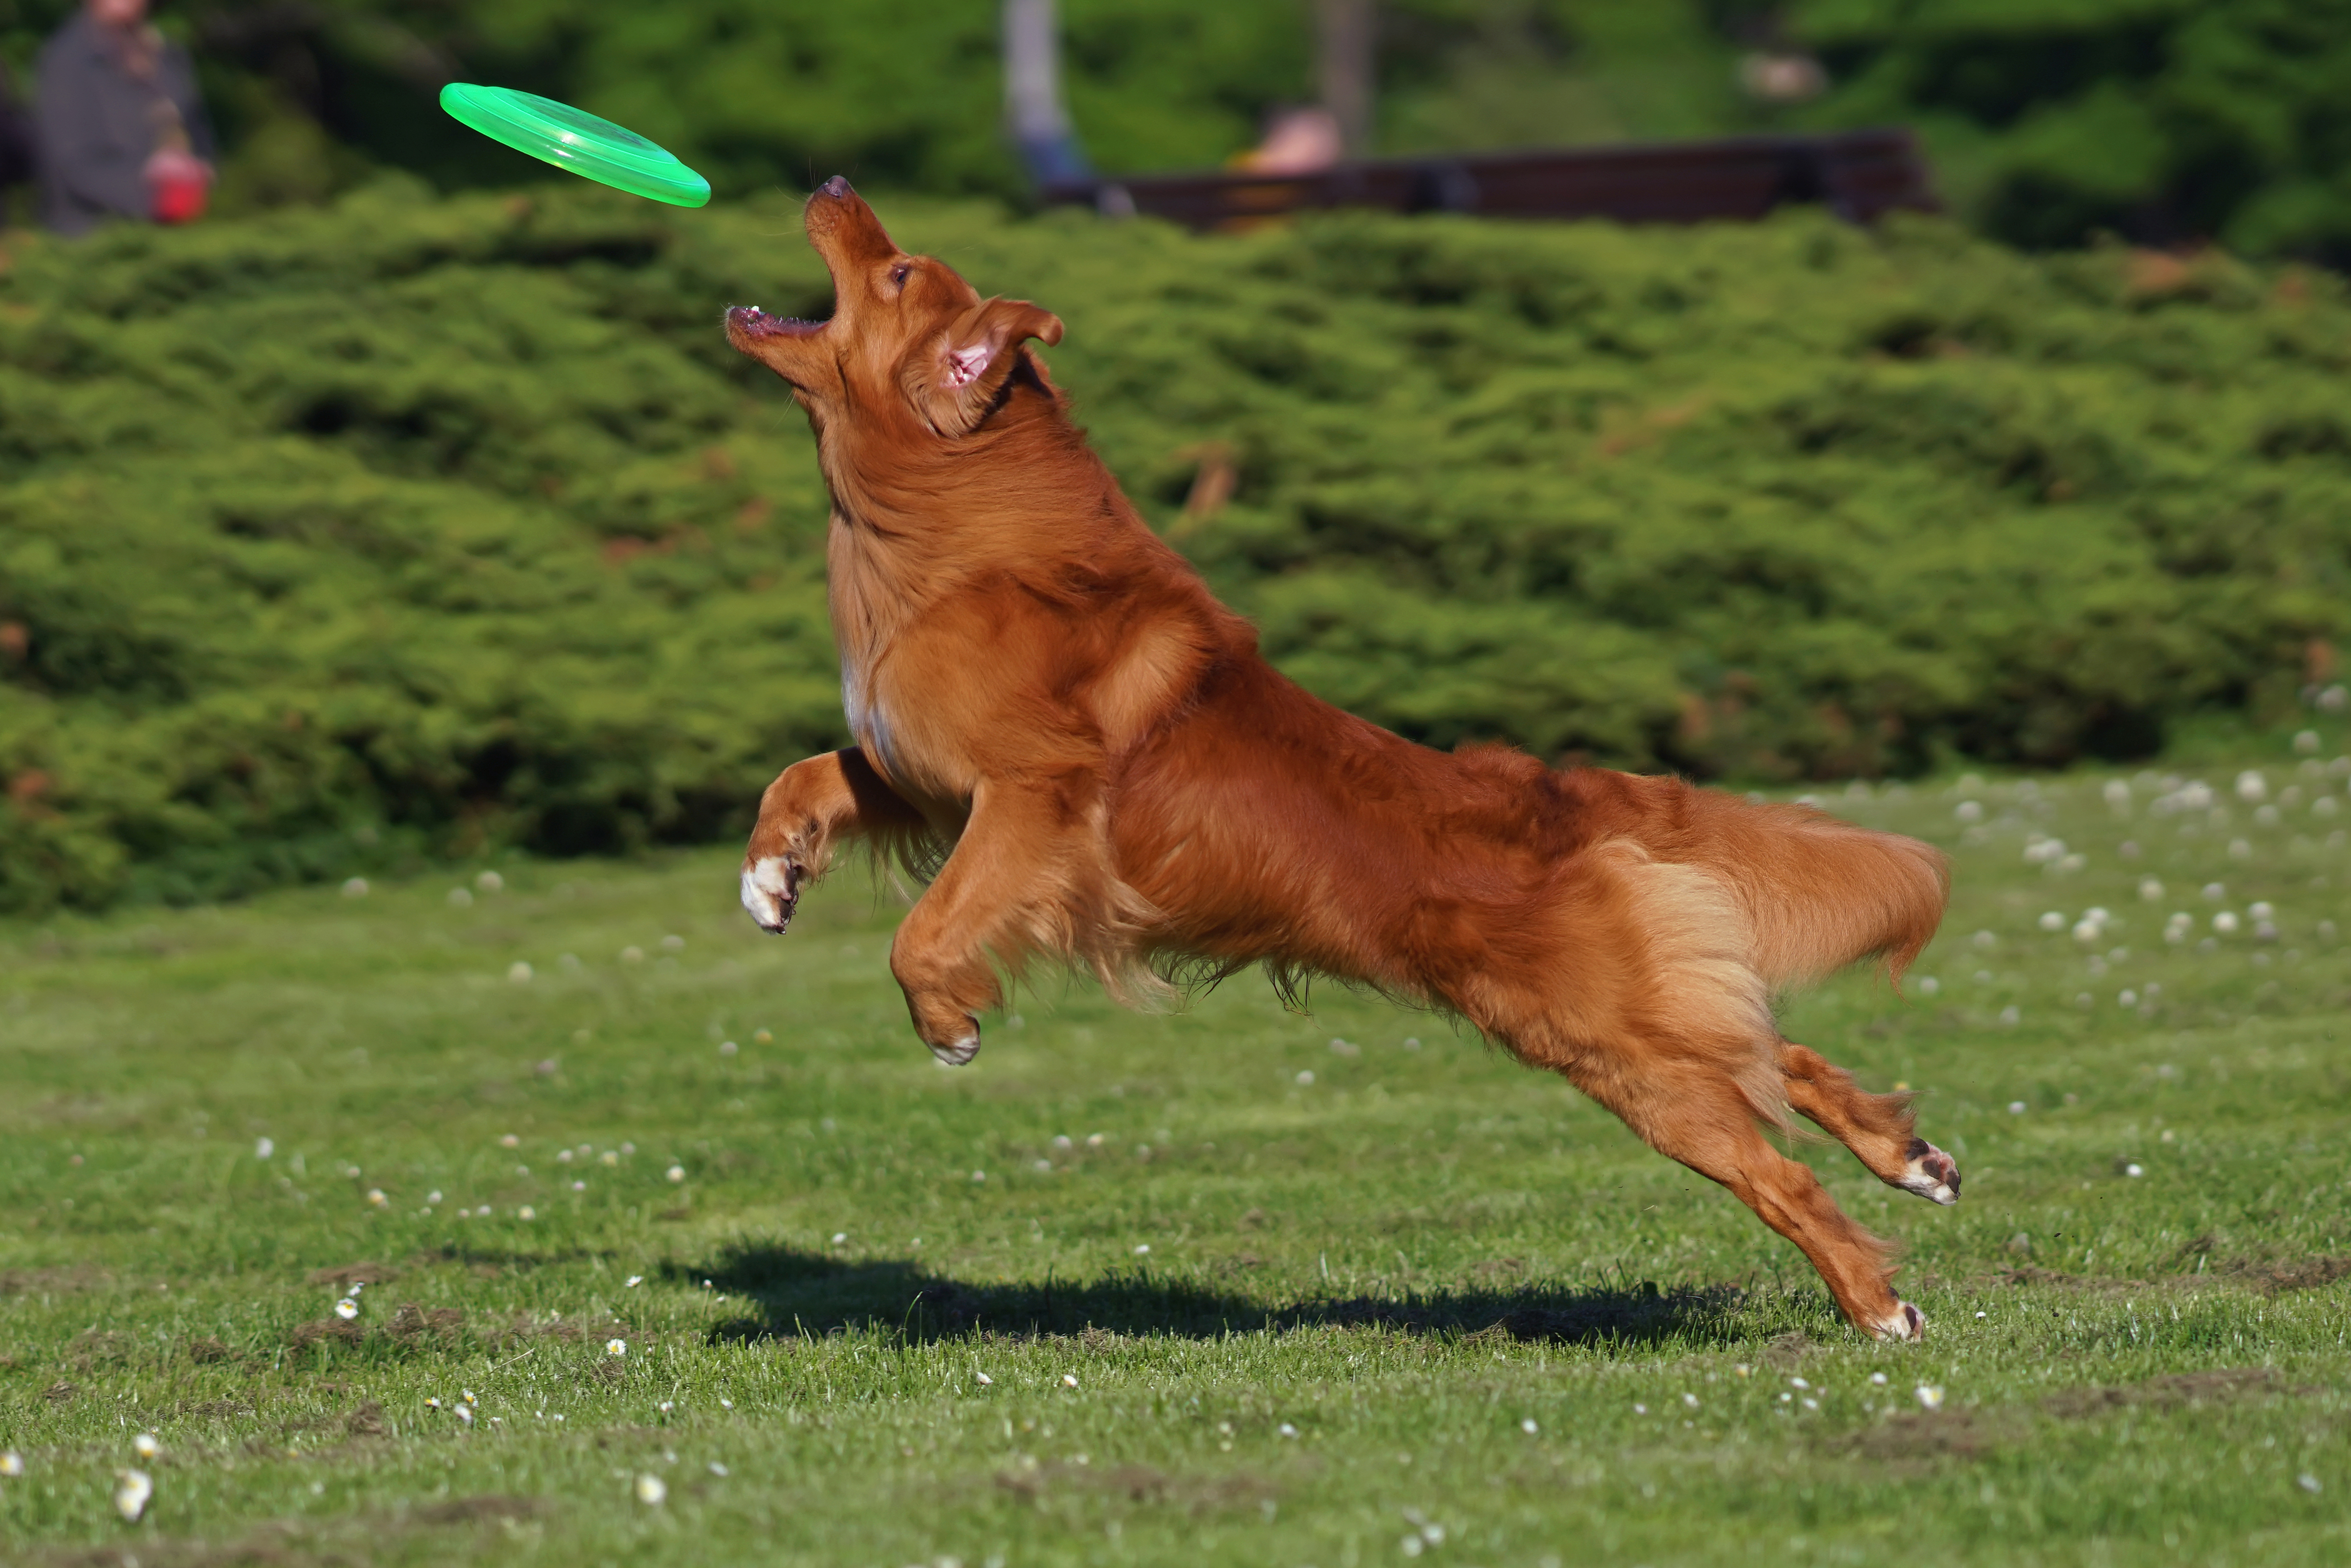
(1053, 714)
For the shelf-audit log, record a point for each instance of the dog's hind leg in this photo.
(1876, 1127)
(1692, 1112)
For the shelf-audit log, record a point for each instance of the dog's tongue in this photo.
(751, 321)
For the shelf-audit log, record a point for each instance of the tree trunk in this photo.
(1347, 35)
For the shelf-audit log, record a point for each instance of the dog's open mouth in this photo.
(749, 323)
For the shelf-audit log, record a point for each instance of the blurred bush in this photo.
(312, 95)
(2165, 121)
(413, 525)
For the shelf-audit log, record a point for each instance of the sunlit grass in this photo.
(1231, 1285)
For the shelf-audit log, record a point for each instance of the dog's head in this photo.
(909, 342)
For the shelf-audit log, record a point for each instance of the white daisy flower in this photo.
(12, 1463)
(1930, 1396)
(133, 1489)
(634, 1281)
(676, 1173)
(347, 1309)
(651, 1490)
(616, 1347)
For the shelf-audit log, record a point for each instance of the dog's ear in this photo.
(954, 378)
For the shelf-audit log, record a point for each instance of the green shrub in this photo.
(2168, 121)
(339, 538)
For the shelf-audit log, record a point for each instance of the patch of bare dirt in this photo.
(100, 1350)
(41, 1281)
(355, 1274)
(1032, 1481)
(2172, 1391)
(2308, 1274)
(1918, 1435)
(203, 1352)
(412, 1324)
(271, 1548)
(1787, 1352)
(327, 1331)
(484, 1510)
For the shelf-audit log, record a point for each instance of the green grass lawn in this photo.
(1233, 1285)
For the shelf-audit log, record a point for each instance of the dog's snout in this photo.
(837, 187)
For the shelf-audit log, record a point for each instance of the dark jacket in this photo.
(17, 163)
(97, 125)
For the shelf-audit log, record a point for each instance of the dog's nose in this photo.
(835, 187)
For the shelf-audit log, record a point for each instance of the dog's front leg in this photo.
(809, 811)
(1012, 887)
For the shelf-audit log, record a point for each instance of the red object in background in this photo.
(177, 196)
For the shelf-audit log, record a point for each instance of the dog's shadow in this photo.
(798, 1295)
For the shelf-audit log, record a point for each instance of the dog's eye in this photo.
(899, 273)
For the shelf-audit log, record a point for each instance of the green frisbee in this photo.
(573, 139)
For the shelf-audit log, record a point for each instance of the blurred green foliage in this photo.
(768, 94)
(342, 535)
(2165, 121)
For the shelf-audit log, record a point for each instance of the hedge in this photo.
(414, 527)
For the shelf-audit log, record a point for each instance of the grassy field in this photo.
(668, 1243)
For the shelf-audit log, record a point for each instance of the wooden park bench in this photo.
(1856, 174)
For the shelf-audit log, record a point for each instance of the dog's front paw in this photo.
(771, 886)
(1905, 1323)
(1930, 1173)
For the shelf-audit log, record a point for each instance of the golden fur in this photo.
(1052, 711)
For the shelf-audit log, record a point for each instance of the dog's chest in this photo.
(868, 615)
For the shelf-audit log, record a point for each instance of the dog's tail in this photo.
(1820, 894)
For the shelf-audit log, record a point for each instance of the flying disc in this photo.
(573, 139)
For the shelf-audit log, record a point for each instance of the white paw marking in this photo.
(1907, 1325)
(958, 1053)
(1932, 1175)
(766, 892)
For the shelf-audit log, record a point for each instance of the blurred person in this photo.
(121, 128)
(1297, 141)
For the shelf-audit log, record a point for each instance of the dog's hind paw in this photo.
(1930, 1173)
(956, 1053)
(771, 888)
(1905, 1323)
